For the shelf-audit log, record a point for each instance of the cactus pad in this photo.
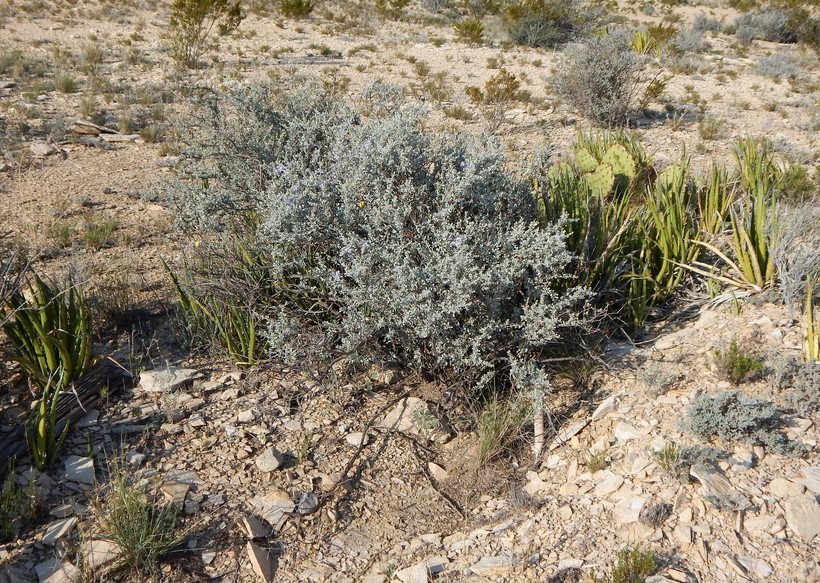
(621, 161)
(585, 161)
(602, 180)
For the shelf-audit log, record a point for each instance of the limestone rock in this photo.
(271, 459)
(412, 415)
(260, 561)
(803, 516)
(783, 488)
(80, 469)
(717, 489)
(161, 380)
(55, 571)
(100, 552)
(274, 507)
(58, 529)
(414, 574)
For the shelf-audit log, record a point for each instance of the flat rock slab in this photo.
(414, 574)
(269, 460)
(54, 571)
(100, 552)
(254, 528)
(717, 489)
(274, 507)
(803, 516)
(414, 416)
(58, 529)
(260, 561)
(80, 469)
(489, 566)
(568, 433)
(810, 478)
(165, 379)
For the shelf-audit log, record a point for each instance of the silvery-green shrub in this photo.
(385, 241)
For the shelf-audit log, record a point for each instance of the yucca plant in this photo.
(715, 200)
(751, 221)
(50, 329)
(43, 435)
(670, 231)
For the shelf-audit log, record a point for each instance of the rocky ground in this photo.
(283, 477)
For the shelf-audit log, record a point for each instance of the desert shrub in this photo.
(501, 92)
(731, 415)
(192, 23)
(804, 395)
(546, 23)
(382, 241)
(703, 23)
(796, 250)
(391, 8)
(774, 25)
(688, 41)
(602, 78)
(736, 363)
(779, 66)
(470, 30)
(631, 565)
(296, 8)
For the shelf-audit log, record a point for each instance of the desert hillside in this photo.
(410, 291)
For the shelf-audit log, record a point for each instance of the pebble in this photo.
(270, 460)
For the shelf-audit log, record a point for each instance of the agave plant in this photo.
(50, 329)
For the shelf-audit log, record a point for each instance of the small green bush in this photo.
(296, 8)
(736, 364)
(144, 532)
(65, 83)
(546, 23)
(631, 565)
(192, 23)
(470, 30)
(731, 415)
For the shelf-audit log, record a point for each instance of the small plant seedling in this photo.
(735, 363)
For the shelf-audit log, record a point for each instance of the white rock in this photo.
(58, 529)
(134, 458)
(80, 469)
(260, 561)
(439, 474)
(246, 416)
(759, 566)
(625, 432)
(274, 507)
(783, 488)
(493, 565)
(803, 516)
(415, 574)
(608, 482)
(253, 527)
(683, 534)
(100, 552)
(628, 509)
(412, 415)
(41, 149)
(176, 492)
(357, 439)
(269, 460)
(605, 407)
(810, 478)
(54, 571)
(165, 379)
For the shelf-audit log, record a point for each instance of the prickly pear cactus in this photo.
(602, 180)
(621, 161)
(585, 161)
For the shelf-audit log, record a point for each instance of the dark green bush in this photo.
(192, 23)
(546, 23)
